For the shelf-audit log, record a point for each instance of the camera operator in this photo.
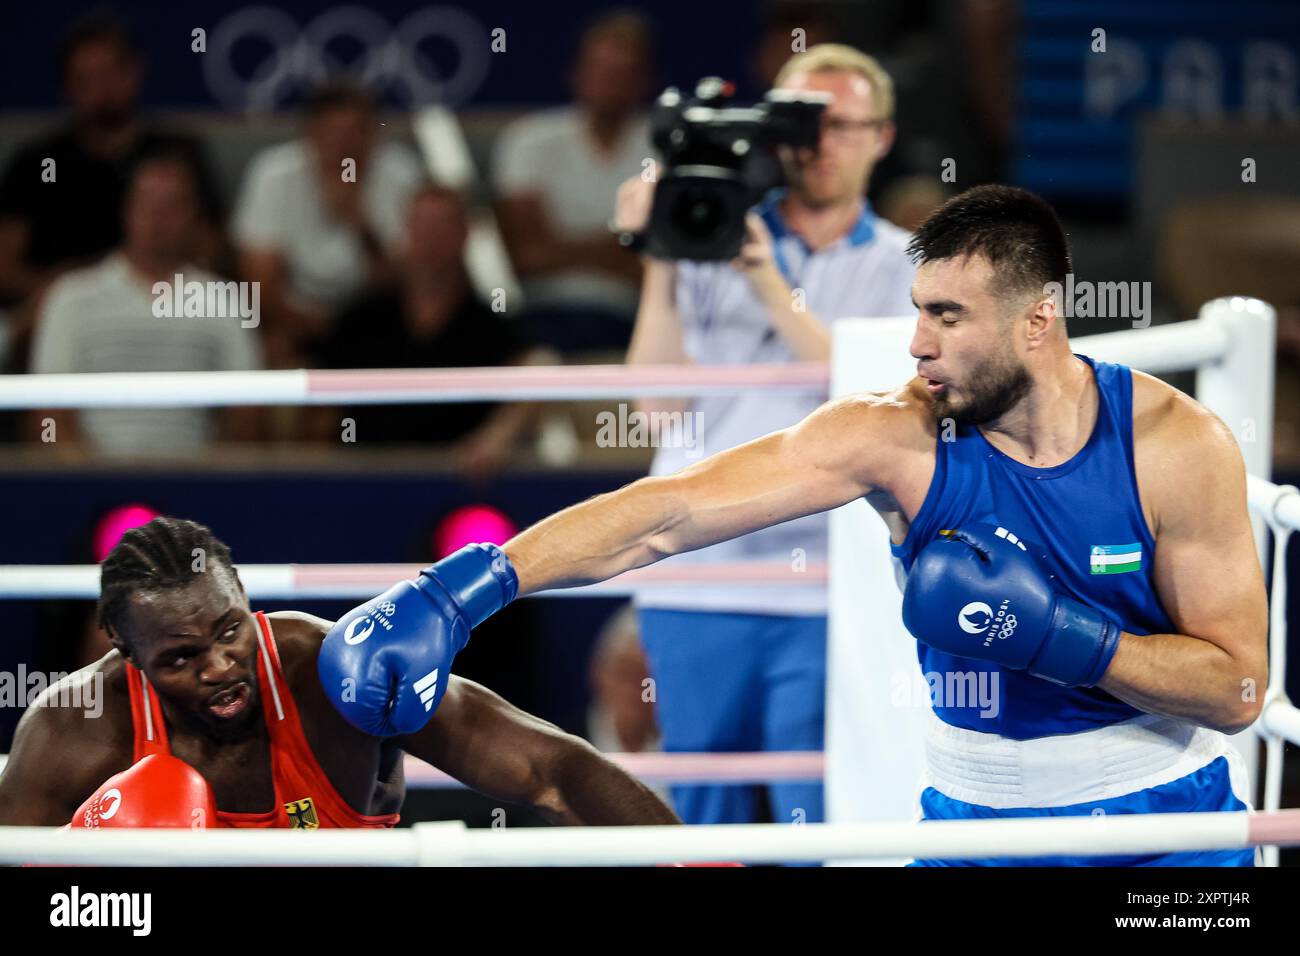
(740, 669)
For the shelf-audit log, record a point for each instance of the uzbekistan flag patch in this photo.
(1115, 558)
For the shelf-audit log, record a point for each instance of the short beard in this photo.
(993, 389)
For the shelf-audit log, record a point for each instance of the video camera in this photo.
(718, 161)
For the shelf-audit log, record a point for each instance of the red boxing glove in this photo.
(159, 791)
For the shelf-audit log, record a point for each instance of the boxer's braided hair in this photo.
(158, 556)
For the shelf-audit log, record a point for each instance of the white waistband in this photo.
(1065, 769)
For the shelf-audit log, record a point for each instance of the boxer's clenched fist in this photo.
(158, 791)
(385, 664)
(978, 593)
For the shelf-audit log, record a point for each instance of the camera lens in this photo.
(698, 214)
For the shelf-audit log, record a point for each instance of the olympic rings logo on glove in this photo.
(301, 57)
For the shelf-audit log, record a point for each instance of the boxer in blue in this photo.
(1073, 533)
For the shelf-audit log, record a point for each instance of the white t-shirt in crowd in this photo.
(866, 273)
(101, 319)
(550, 153)
(280, 207)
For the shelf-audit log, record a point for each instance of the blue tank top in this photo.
(1084, 520)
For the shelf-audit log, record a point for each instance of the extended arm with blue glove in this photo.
(977, 593)
(385, 664)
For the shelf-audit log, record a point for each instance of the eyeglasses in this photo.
(847, 129)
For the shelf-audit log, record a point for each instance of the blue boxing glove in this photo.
(385, 664)
(977, 593)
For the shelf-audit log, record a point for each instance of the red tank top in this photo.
(304, 796)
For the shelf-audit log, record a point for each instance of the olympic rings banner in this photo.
(263, 56)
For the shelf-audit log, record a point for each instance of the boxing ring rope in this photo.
(1211, 340)
(660, 769)
(453, 844)
(362, 581)
(400, 386)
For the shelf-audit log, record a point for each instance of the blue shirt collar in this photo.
(769, 210)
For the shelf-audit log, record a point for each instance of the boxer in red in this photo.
(214, 715)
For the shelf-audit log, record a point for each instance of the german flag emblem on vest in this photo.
(302, 814)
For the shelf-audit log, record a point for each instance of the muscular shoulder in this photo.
(74, 736)
(883, 431)
(91, 704)
(1182, 451)
(1173, 424)
(898, 414)
(298, 637)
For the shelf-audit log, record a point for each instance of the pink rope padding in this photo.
(382, 576)
(1281, 827)
(661, 768)
(568, 380)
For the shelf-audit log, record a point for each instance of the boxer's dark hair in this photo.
(1015, 230)
(158, 556)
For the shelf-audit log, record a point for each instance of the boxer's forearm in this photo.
(802, 470)
(596, 539)
(1188, 678)
(588, 790)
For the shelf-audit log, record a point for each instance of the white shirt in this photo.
(101, 319)
(552, 154)
(864, 274)
(280, 208)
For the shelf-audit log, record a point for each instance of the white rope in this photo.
(673, 768)
(1280, 718)
(1161, 349)
(362, 581)
(393, 386)
(1276, 691)
(443, 844)
(660, 769)
(1278, 504)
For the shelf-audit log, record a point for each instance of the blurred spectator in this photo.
(61, 195)
(909, 201)
(102, 319)
(556, 174)
(788, 28)
(622, 716)
(431, 319)
(317, 219)
(736, 669)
